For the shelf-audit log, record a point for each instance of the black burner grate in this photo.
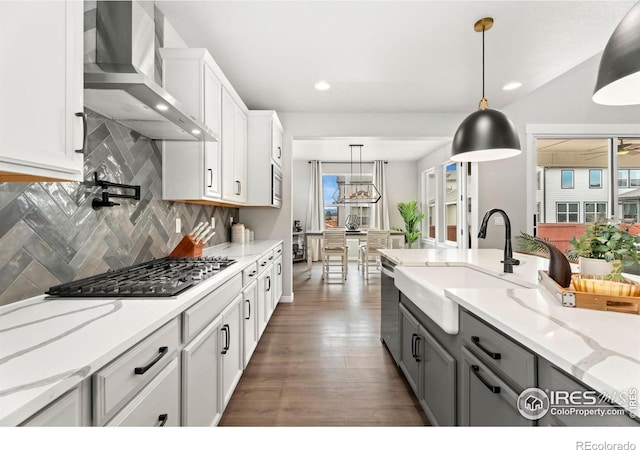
(163, 277)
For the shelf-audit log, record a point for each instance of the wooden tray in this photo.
(575, 299)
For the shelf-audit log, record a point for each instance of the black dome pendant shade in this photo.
(487, 134)
(618, 81)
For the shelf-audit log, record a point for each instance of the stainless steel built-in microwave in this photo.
(276, 186)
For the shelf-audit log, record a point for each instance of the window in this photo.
(451, 202)
(335, 214)
(594, 211)
(595, 178)
(538, 209)
(329, 187)
(634, 178)
(623, 178)
(538, 180)
(566, 177)
(630, 212)
(430, 205)
(567, 212)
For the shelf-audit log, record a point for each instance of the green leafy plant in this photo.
(533, 245)
(606, 241)
(412, 217)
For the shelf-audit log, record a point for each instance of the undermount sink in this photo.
(425, 287)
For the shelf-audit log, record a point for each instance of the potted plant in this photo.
(604, 249)
(412, 218)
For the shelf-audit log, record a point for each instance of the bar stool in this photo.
(334, 245)
(376, 239)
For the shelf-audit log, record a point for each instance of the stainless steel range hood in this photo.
(120, 85)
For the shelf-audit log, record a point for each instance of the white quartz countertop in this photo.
(600, 348)
(48, 346)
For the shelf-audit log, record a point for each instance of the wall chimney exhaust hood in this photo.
(120, 84)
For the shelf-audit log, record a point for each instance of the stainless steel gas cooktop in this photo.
(165, 277)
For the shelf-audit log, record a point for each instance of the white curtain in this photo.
(380, 210)
(315, 211)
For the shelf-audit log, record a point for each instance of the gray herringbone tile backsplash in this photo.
(49, 234)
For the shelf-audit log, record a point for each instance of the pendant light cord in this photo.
(483, 61)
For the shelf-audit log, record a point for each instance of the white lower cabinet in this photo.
(201, 378)
(64, 412)
(249, 301)
(277, 275)
(157, 405)
(265, 298)
(232, 360)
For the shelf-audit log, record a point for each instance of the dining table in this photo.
(312, 236)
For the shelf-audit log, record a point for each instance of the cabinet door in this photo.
(249, 299)
(277, 292)
(212, 169)
(212, 99)
(232, 334)
(269, 287)
(438, 382)
(41, 87)
(410, 358)
(240, 161)
(261, 296)
(228, 140)
(157, 405)
(276, 144)
(486, 399)
(64, 412)
(201, 404)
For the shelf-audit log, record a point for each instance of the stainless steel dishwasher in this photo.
(390, 309)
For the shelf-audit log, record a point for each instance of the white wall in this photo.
(402, 185)
(301, 178)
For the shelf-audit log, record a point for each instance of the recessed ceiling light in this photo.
(161, 107)
(511, 86)
(322, 86)
(194, 131)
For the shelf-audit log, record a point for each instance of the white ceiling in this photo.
(337, 149)
(390, 56)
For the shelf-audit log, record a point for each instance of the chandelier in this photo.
(353, 192)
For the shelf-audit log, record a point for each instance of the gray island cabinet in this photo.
(474, 378)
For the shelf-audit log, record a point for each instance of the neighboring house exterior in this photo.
(581, 194)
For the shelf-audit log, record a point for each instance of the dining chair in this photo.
(334, 246)
(368, 252)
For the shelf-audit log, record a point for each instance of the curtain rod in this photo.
(347, 162)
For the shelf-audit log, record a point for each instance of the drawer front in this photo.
(196, 318)
(158, 404)
(250, 273)
(118, 382)
(499, 352)
(560, 413)
(277, 251)
(486, 399)
(264, 261)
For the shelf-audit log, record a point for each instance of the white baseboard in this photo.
(286, 298)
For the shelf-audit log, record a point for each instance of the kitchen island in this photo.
(51, 346)
(597, 350)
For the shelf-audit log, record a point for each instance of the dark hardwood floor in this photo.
(320, 362)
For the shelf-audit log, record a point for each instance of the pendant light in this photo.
(618, 81)
(355, 192)
(486, 134)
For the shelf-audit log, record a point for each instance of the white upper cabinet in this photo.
(234, 150)
(189, 75)
(42, 128)
(265, 159)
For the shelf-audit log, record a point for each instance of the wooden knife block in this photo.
(187, 248)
